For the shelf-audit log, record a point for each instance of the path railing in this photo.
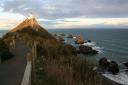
(31, 57)
(27, 74)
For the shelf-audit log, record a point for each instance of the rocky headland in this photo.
(53, 62)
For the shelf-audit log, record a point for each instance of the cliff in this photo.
(29, 31)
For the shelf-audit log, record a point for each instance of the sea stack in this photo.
(79, 40)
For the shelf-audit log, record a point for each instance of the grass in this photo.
(69, 70)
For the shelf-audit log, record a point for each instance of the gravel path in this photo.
(12, 70)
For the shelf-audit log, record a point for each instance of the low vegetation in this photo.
(4, 51)
(69, 70)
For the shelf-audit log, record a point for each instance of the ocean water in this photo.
(2, 32)
(114, 42)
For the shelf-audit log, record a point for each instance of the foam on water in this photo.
(94, 46)
(89, 44)
(121, 78)
(74, 37)
(99, 49)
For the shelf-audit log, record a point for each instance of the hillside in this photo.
(29, 25)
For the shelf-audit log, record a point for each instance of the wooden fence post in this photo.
(34, 57)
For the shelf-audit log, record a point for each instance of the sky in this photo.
(66, 13)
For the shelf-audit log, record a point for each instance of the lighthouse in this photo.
(30, 16)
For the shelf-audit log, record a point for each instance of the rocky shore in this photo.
(79, 41)
(105, 65)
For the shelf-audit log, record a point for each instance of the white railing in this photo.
(27, 74)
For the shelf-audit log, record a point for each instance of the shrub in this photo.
(4, 51)
(69, 70)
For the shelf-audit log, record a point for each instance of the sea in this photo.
(113, 41)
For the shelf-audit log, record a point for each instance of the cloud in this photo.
(10, 20)
(91, 22)
(52, 9)
(71, 13)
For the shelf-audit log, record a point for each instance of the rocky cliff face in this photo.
(29, 23)
(26, 23)
(29, 27)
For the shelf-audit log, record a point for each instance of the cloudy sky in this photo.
(66, 13)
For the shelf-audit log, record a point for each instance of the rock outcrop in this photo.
(113, 67)
(110, 66)
(126, 65)
(87, 50)
(69, 35)
(79, 40)
(103, 62)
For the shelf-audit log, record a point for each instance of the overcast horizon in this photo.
(66, 13)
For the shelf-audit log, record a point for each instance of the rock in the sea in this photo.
(89, 41)
(87, 50)
(55, 34)
(62, 34)
(113, 67)
(70, 35)
(79, 40)
(110, 66)
(126, 65)
(103, 62)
